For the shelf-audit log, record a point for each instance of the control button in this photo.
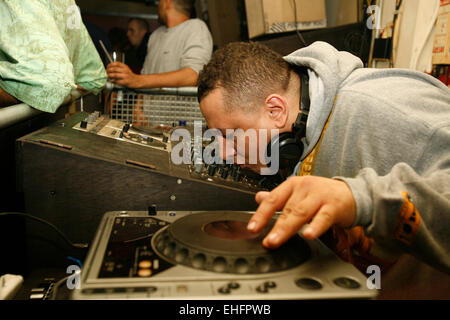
(224, 290)
(241, 265)
(165, 139)
(169, 250)
(38, 296)
(152, 210)
(98, 291)
(234, 171)
(262, 289)
(126, 127)
(199, 260)
(308, 284)
(346, 283)
(224, 174)
(270, 284)
(219, 264)
(182, 289)
(181, 255)
(144, 289)
(234, 285)
(144, 273)
(149, 139)
(211, 170)
(262, 265)
(83, 124)
(145, 264)
(198, 167)
(172, 214)
(91, 118)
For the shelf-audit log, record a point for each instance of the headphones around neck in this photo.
(290, 144)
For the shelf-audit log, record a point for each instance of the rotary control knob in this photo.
(237, 177)
(211, 170)
(198, 167)
(224, 173)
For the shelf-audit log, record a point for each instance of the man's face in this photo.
(135, 34)
(253, 124)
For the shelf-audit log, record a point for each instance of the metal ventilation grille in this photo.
(155, 107)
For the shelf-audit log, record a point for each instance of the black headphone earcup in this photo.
(290, 150)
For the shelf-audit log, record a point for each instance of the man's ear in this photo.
(276, 109)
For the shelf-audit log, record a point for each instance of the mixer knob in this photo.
(224, 173)
(234, 285)
(234, 171)
(237, 177)
(198, 167)
(270, 284)
(211, 170)
(83, 124)
(262, 289)
(152, 210)
(224, 290)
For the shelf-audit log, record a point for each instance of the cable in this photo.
(302, 40)
(56, 287)
(70, 243)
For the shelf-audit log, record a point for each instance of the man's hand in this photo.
(122, 75)
(321, 201)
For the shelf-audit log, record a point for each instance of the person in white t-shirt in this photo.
(176, 53)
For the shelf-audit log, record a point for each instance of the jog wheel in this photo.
(219, 241)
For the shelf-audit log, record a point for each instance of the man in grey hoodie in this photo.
(375, 170)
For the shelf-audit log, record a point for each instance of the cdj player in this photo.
(208, 255)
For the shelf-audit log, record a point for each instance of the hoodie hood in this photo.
(328, 68)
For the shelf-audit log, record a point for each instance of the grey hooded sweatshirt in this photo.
(389, 132)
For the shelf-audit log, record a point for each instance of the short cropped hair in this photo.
(247, 71)
(142, 24)
(185, 6)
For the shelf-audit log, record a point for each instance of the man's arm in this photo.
(6, 99)
(122, 75)
(402, 211)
